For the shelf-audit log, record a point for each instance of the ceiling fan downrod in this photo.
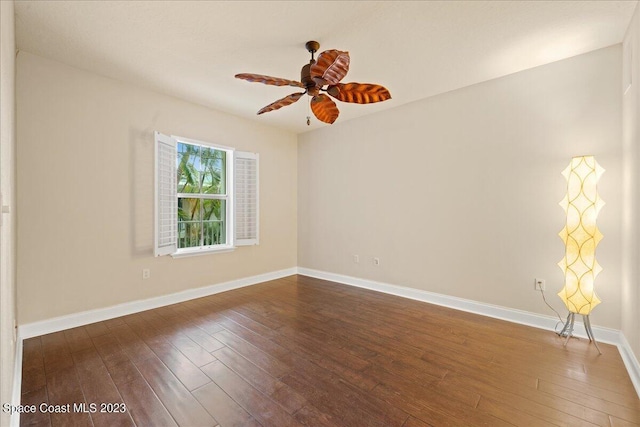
(312, 46)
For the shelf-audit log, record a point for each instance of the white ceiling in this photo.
(192, 49)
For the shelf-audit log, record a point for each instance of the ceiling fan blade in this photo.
(331, 66)
(268, 80)
(324, 108)
(287, 100)
(359, 93)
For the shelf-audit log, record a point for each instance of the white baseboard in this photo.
(630, 361)
(91, 316)
(605, 335)
(14, 420)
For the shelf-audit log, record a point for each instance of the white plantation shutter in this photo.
(166, 210)
(246, 198)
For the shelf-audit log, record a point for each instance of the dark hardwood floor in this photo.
(302, 351)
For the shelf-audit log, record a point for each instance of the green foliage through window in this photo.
(202, 196)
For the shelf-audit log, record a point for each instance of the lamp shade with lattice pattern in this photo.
(581, 235)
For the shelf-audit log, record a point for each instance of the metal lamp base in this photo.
(567, 330)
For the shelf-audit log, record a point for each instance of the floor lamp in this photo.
(580, 236)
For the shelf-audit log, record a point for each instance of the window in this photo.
(203, 199)
(206, 197)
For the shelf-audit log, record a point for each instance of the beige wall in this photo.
(458, 194)
(7, 187)
(631, 187)
(85, 192)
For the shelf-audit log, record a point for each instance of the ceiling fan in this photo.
(328, 70)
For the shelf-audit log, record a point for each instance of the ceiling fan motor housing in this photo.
(307, 81)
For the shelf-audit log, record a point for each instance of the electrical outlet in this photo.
(539, 285)
(356, 259)
(146, 273)
(376, 262)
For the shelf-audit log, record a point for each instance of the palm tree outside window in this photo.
(202, 196)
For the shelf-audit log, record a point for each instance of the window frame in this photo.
(229, 198)
(242, 197)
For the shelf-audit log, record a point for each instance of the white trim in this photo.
(630, 361)
(86, 317)
(202, 143)
(202, 250)
(220, 196)
(605, 335)
(14, 420)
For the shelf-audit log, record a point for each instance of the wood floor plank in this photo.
(414, 422)
(358, 378)
(143, 404)
(183, 368)
(197, 354)
(259, 312)
(96, 329)
(428, 401)
(33, 373)
(502, 389)
(209, 326)
(270, 364)
(627, 400)
(38, 417)
(335, 404)
(611, 408)
(537, 403)
(311, 416)
(336, 388)
(115, 322)
(261, 380)
(203, 339)
(222, 407)
(32, 352)
(131, 343)
(513, 416)
(124, 372)
(264, 344)
(77, 339)
(180, 403)
(99, 388)
(187, 372)
(249, 323)
(264, 410)
(55, 352)
(617, 422)
(109, 349)
(318, 349)
(415, 371)
(342, 363)
(64, 392)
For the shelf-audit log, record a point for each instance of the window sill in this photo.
(207, 251)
